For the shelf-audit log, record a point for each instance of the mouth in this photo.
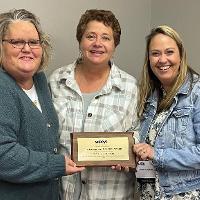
(164, 67)
(96, 52)
(26, 58)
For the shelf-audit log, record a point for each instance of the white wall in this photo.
(60, 18)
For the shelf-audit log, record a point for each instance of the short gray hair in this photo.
(9, 17)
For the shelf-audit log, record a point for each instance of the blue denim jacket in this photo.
(177, 145)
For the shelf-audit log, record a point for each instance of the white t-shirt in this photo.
(32, 94)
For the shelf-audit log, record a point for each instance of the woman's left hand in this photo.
(143, 151)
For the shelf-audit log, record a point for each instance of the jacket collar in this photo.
(184, 89)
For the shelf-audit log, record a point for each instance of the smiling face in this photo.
(164, 57)
(97, 44)
(21, 63)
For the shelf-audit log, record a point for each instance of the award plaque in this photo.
(102, 149)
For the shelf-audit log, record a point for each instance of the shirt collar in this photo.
(115, 78)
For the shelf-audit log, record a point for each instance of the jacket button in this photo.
(55, 150)
(83, 182)
(89, 114)
(48, 125)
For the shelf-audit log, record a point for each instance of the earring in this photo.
(80, 57)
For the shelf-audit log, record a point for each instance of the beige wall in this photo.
(60, 18)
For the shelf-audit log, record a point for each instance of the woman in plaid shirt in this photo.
(94, 95)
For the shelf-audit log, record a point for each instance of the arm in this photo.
(19, 163)
(187, 157)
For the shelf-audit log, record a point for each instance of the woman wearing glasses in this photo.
(29, 163)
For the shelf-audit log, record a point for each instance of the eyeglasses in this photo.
(103, 38)
(19, 44)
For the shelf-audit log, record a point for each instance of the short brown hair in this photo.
(105, 16)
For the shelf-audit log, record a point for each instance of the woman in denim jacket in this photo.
(169, 111)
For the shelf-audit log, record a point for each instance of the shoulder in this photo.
(40, 82)
(40, 76)
(191, 89)
(123, 74)
(9, 91)
(194, 80)
(196, 87)
(128, 77)
(123, 78)
(8, 85)
(61, 72)
(5, 79)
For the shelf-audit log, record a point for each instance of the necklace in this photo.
(35, 102)
(32, 94)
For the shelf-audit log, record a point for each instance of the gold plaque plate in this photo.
(103, 148)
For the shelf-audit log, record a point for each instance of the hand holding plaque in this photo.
(102, 148)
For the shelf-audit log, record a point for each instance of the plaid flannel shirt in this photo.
(112, 110)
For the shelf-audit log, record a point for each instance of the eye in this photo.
(155, 53)
(90, 37)
(105, 38)
(169, 52)
(17, 42)
(34, 42)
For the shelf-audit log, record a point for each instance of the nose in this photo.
(97, 42)
(163, 58)
(26, 47)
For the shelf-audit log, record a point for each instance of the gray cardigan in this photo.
(29, 165)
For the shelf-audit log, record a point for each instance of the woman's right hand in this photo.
(70, 167)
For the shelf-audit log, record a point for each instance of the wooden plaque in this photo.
(102, 149)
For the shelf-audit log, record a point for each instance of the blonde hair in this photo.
(21, 14)
(149, 82)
